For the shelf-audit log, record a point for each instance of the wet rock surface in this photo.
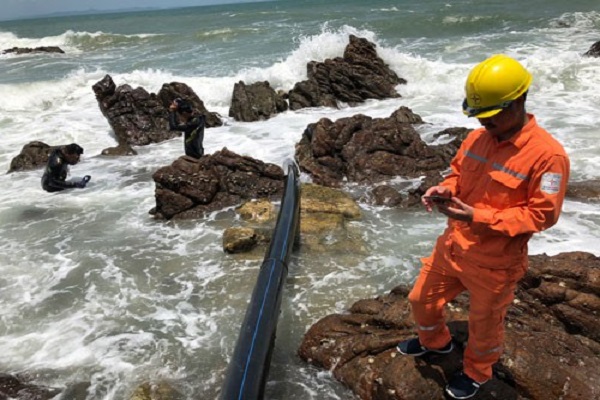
(255, 102)
(552, 346)
(324, 213)
(594, 51)
(32, 156)
(138, 117)
(189, 188)
(584, 190)
(13, 387)
(357, 76)
(370, 150)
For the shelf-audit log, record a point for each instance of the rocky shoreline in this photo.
(552, 347)
(552, 342)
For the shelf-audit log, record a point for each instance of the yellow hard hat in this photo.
(493, 84)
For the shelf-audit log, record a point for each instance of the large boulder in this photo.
(170, 91)
(33, 155)
(357, 76)
(369, 150)
(139, 118)
(552, 344)
(189, 187)
(255, 102)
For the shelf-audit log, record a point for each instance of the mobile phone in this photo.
(438, 199)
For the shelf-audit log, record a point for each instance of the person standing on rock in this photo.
(182, 118)
(507, 182)
(57, 169)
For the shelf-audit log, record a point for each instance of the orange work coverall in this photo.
(516, 188)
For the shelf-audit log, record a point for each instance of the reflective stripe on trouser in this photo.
(491, 292)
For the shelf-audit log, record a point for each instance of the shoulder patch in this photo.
(550, 183)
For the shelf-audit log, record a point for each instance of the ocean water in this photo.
(92, 289)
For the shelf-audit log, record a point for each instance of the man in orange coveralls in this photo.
(507, 182)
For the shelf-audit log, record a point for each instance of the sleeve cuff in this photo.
(482, 216)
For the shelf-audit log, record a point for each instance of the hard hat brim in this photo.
(485, 114)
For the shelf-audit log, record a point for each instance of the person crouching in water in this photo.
(182, 118)
(57, 168)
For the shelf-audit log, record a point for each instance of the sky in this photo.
(18, 9)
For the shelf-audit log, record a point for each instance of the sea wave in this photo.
(9, 40)
(74, 41)
(225, 33)
(97, 40)
(579, 20)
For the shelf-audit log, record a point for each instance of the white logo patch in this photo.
(550, 183)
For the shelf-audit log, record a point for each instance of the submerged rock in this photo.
(28, 50)
(12, 387)
(324, 213)
(156, 391)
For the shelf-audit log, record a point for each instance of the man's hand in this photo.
(440, 191)
(83, 182)
(457, 210)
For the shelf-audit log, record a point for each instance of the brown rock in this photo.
(170, 91)
(255, 102)
(156, 391)
(323, 215)
(385, 195)
(189, 188)
(121, 150)
(243, 239)
(358, 76)
(368, 150)
(585, 191)
(552, 348)
(33, 155)
(139, 118)
(261, 210)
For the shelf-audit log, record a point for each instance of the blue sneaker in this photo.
(461, 386)
(412, 347)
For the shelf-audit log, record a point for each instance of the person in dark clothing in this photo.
(183, 118)
(55, 174)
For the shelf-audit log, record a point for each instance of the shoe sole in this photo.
(427, 351)
(460, 398)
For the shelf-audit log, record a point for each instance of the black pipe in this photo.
(249, 366)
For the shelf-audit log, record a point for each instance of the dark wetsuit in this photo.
(193, 134)
(55, 175)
